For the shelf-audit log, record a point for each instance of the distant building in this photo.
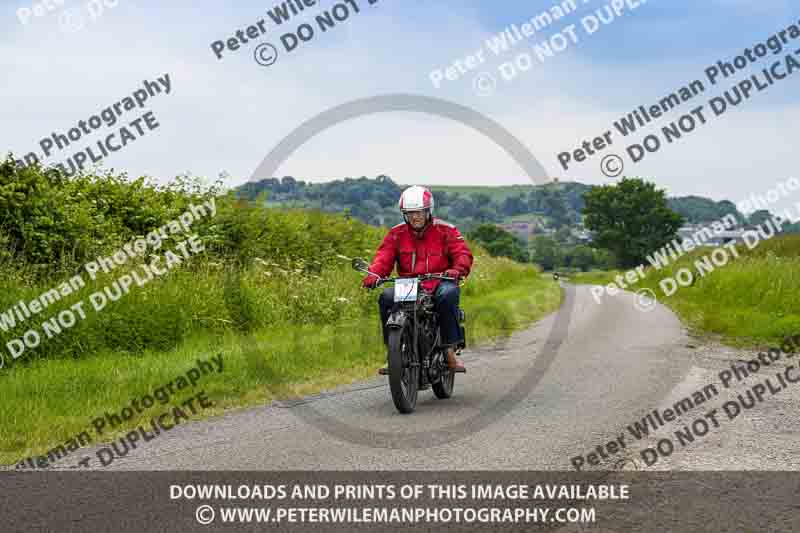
(521, 229)
(582, 235)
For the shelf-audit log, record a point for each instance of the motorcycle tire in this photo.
(403, 378)
(443, 389)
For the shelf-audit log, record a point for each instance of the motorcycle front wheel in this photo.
(403, 369)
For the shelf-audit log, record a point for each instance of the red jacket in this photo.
(440, 247)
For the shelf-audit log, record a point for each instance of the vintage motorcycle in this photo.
(417, 360)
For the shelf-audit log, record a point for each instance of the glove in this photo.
(453, 273)
(370, 282)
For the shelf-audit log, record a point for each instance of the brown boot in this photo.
(453, 362)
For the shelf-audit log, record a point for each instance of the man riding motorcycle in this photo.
(424, 245)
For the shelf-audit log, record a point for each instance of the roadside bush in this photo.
(262, 267)
(58, 224)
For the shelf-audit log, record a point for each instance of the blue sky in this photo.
(224, 116)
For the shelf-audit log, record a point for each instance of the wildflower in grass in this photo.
(342, 300)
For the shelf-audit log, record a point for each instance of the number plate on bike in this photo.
(405, 290)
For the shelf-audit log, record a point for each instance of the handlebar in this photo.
(420, 277)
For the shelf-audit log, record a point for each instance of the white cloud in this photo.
(226, 115)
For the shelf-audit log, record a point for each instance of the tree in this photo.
(481, 198)
(498, 242)
(630, 219)
(759, 217)
(583, 257)
(546, 253)
(563, 235)
(556, 209)
(288, 184)
(514, 205)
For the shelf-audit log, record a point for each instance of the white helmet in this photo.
(416, 198)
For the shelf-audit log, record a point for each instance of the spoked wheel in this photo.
(403, 370)
(444, 388)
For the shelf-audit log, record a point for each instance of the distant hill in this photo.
(696, 209)
(374, 201)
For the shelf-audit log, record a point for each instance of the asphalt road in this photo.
(571, 383)
(549, 393)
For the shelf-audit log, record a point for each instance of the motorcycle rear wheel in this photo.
(443, 389)
(403, 377)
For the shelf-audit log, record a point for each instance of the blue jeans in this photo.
(445, 302)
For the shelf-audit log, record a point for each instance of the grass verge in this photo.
(50, 401)
(750, 301)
